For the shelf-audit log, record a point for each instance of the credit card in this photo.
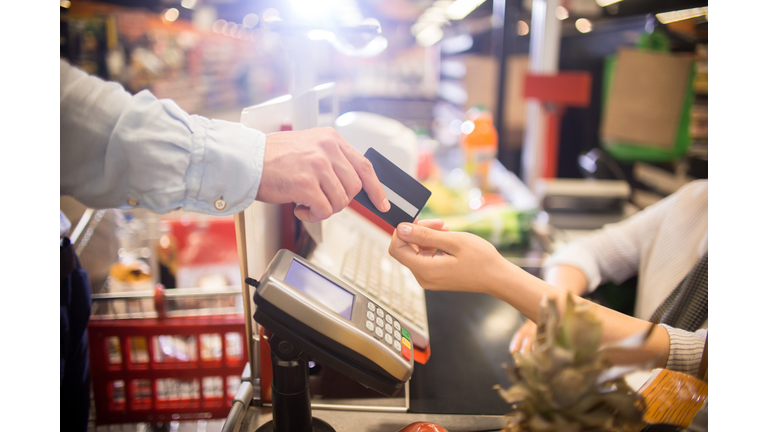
(405, 194)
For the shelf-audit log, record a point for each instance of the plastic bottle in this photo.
(480, 145)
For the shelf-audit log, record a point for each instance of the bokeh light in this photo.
(561, 13)
(270, 15)
(218, 26)
(171, 14)
(429, 36)
(251, 20)
(583, 25)
(522, 28)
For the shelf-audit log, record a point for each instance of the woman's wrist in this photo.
(503, 280)
(520, 289)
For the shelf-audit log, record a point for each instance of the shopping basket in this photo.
(164, 355)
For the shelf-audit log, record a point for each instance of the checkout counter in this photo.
(469, 333)
(469, 342)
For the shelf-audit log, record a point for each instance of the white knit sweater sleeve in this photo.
(685, 349)
(613, 253)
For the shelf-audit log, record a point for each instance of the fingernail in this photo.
(385, 204)
(404, 230)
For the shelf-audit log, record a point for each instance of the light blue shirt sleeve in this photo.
(124, 151)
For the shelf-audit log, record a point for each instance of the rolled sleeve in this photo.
(227, 165)
(161, 158)
(576, 255)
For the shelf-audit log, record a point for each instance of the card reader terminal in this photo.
(333, 323)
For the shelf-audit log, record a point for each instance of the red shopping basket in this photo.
(159, 369)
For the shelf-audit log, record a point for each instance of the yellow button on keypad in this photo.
(406, 343)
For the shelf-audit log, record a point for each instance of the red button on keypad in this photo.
(405, 352)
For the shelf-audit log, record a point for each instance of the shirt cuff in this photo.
(685, 349)
(575, 255)
(225, 169)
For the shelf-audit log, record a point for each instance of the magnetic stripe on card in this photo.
(400, 202)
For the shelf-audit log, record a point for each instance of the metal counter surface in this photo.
(359, 421)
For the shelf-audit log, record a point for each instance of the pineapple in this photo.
(566, 384)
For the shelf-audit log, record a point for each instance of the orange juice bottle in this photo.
(480, 146)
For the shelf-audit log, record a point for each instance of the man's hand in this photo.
(523, 339)
(447, 261)
(317, 170)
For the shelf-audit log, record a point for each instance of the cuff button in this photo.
(220, 204)
(133, 202)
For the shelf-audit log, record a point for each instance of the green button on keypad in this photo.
(405, 333)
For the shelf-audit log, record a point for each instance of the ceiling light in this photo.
(314, 8)
(429, 36)
(419, 26)
(461, 8)
(668, 17)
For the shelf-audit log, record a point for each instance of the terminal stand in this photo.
(291, 407)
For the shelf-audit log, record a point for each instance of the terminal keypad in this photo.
(388, 329)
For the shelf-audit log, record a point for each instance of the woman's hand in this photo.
(524, 337)
(457, 261)
(435, 224)
(447, 261)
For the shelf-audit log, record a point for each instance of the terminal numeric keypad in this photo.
(388, 329)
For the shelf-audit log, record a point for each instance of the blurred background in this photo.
(441, 58)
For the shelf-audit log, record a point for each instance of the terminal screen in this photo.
(321, 289)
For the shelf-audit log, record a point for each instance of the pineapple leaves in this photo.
(566, 384)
